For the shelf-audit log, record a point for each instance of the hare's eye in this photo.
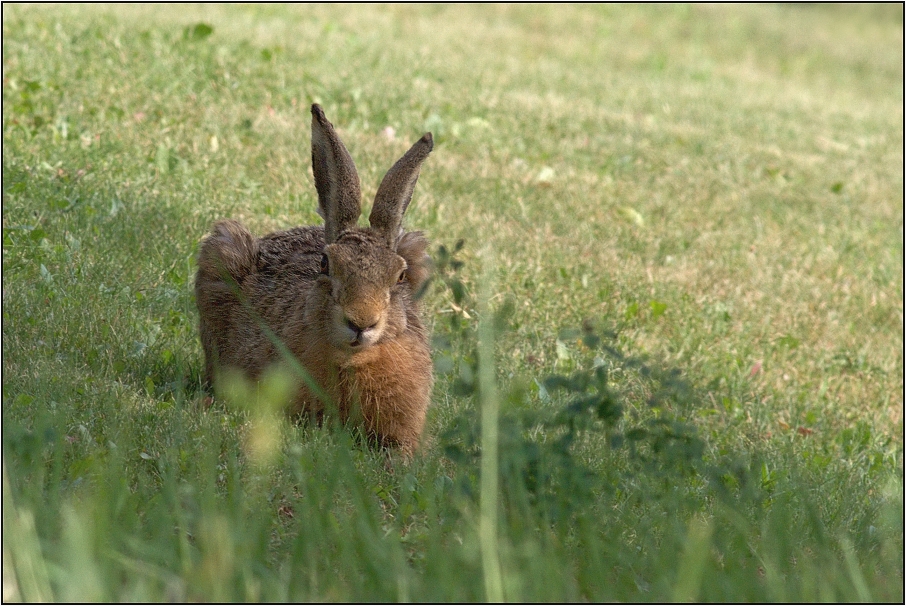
(402, 277)
(325, 265)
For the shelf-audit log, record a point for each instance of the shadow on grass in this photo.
(102, 278)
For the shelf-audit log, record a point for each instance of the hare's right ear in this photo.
(336, 179)
(395, 192)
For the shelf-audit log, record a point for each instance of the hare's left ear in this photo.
(336, 179)
(395, 192)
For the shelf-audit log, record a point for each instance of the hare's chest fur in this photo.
(386, 387)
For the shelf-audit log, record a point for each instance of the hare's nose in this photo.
(361, 335)
(358, 329)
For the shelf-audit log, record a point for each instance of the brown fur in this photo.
(357, 330)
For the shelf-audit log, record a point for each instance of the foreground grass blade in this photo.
(25, 576)
(490, 555)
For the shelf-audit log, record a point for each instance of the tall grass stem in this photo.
(490, 557)
(694, 561)
(26, 579)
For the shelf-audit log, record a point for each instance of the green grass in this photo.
(714, 194)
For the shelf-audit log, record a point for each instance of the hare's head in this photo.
(368, 275)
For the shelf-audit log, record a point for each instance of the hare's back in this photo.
(288, 263)
(300, 246)
(274, 274)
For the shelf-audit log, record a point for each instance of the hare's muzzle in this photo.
(360, 328)
(360, 335)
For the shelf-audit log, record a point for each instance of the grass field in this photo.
(677, 307)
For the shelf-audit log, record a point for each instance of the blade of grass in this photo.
(490, 556)
(22, 552)
(855, 572)
(692, 565)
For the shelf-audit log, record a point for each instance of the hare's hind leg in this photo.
(226, 256)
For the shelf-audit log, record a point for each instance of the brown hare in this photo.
(340, 297)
